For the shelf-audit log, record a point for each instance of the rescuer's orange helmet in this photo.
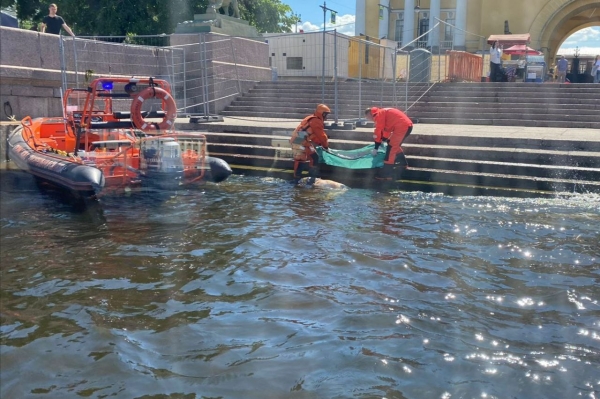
(322, 110)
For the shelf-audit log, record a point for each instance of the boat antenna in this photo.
(64, 112)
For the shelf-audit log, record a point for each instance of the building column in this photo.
(461, 25)
(359, 23)
(408, 33)
(433, 39)
(384, 23)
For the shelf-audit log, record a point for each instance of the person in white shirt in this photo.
(495, 61)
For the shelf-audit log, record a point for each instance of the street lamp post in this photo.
(298, 19)
(418, 11)
(325, 9)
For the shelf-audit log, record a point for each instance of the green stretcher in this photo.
(360, 158)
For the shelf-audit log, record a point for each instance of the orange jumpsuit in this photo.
(392, 126)
(314, 126)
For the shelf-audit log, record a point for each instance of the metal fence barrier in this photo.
(205, 73)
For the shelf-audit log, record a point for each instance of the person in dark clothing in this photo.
(52, 23)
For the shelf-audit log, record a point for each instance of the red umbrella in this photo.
(521, 49)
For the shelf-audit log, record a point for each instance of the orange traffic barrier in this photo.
(463, 66)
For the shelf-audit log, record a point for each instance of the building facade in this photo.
(466, 24)
(301, 55)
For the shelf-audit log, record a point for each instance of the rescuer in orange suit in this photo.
(391, 126)
(309, 134)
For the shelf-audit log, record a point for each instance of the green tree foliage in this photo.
(267, 15)
(146, 17)
(27, 9)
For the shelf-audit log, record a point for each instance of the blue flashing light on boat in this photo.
(107, 85)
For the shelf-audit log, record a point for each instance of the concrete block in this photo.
(284, 149)
(28, 77)
(34, 107)
(341, 126)
(48, 48)
(10, 107)
(20, 47)
(282, 133)
(206, 119)
(26, 91)
(367, 124)
(10, 74)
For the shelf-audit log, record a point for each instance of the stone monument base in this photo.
(218, 23)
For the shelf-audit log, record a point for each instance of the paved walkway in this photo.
(508, 132)
(539, 133)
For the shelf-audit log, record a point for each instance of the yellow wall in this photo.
(549, 22)
(364, 60)
(372, 69)
(372, 19)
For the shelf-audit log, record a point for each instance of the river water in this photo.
(256, 289)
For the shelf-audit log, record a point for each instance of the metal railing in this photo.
(203, 74)
(206, 73)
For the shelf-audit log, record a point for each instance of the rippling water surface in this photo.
(255, 289)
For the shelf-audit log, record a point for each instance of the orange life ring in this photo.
(168, 105)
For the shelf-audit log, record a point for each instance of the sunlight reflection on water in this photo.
(256, 289)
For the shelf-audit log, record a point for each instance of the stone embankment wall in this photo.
(5, 129)
(31, 65)
(30, 78)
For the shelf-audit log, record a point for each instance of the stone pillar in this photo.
(461, 25)
(384, 23)
(360, 23)
(433, 39)
(408, 34)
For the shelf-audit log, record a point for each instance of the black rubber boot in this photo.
(401, 161)
(385, 173)
(313, 173)
(298, 169)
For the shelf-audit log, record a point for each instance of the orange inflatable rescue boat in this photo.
(116, 134)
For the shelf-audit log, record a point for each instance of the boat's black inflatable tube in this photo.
(219, 170)
(62, 172)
